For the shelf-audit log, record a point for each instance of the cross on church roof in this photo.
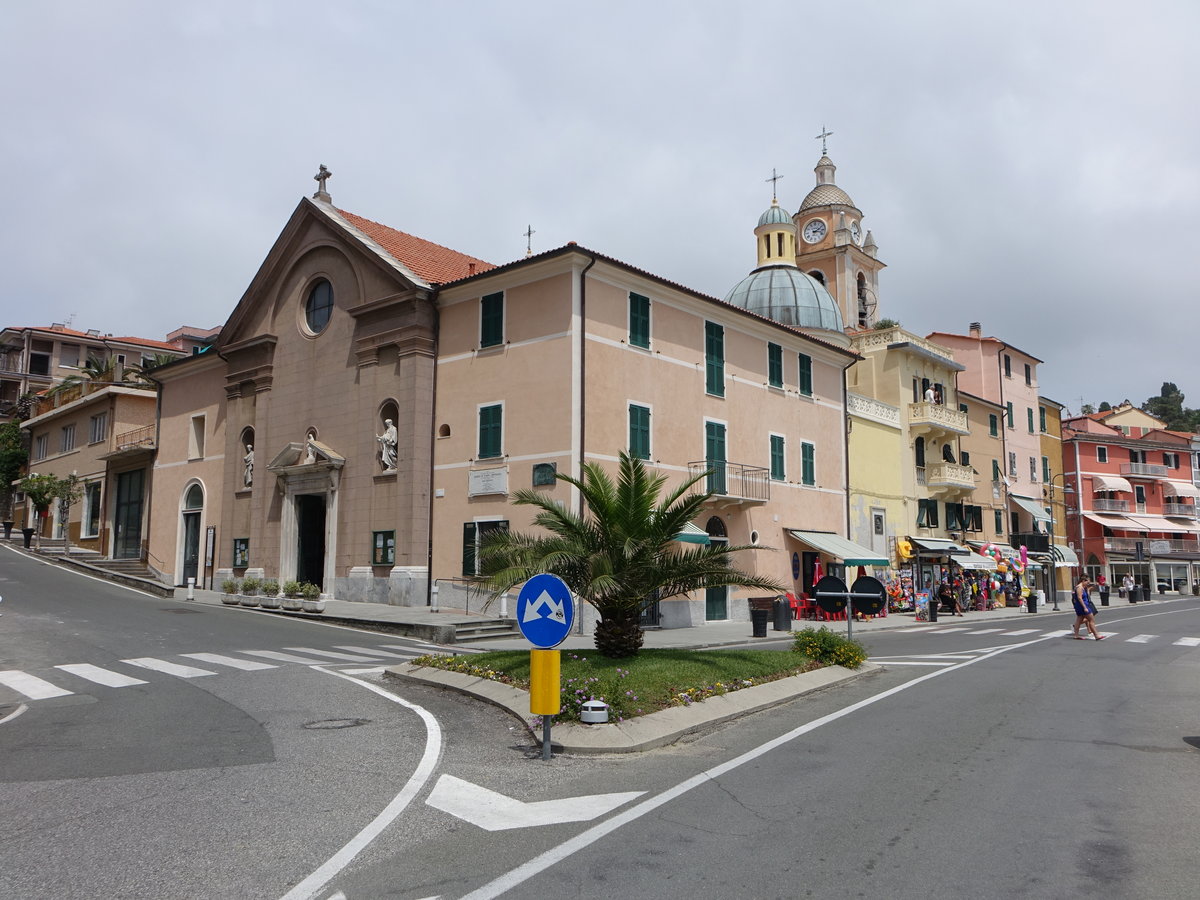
(529, 233)
(773, 179)
(320, 178)
(821, 137)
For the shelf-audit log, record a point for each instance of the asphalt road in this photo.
(981, 762)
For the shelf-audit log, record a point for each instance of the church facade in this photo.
(374, 399)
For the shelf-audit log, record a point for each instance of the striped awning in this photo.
(1065, 557)
(1030, 506)
(1180, 489)
(838, 547)
(692, 535)
(1111, 483)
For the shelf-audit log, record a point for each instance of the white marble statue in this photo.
(387, 446)
(248, 466)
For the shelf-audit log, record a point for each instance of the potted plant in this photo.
(270, 597)
(311, 598)
(291, 596)
(229, 592)
(250, 589)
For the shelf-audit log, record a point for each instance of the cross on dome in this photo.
(821, 137)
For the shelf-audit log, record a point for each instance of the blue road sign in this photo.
(545, 611)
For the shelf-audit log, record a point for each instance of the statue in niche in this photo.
(248, 466)
(310, 452)
(387, 446)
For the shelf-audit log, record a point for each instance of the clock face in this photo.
(814, 231)
(855, 233)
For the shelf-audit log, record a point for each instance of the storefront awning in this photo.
(1180, 489)
(692, 535)
(1030, 506)
(1119, 523)
(1111, 483)
(839, 547)
(976, 561)
(1158, 523)
(940, 546)
(1064, 557)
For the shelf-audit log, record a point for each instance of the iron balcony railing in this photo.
(1151, 546)
(1145, 470)
(734, 479)
(1178, 508)
(139, 437)
(1117, 506)
(1034, 542)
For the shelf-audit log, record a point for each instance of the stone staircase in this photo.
(485, 629)
(134, 568)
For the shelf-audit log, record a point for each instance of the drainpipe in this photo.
(846, 445)
(582, 387)
(430, 587)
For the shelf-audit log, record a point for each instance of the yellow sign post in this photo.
(545, 690)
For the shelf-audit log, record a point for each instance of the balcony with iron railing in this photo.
(1179, 509)
(1154, 547)
(130, 443)
(1144, 470)
(1032, 541)
(936, 418)
(734, 482)
(1114, 506)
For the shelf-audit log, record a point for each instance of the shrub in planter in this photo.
(270, 598)
(250, 589)
(829, 649)
(229, 592)
(311, 595)
(291, 596)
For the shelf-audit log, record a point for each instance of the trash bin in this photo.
(28, 533)
(1104, 596)
(1133, 594)
(1031, 601)
(782, 611)
(933, 608)
(758, 620)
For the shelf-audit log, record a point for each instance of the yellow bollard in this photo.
(545, 688)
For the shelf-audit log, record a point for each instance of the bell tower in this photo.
(834, 249)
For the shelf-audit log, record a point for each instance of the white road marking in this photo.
(16, 712)
(310, 886)
(901, 662)
(1188, 642)
(284, 657)
(1021, 631)
(167, 668)
(950, 630)
(347, 657)
(940, 656)
(246, 665)
(1141, 638)
(31, 686)
(494, 811)
(370, 652)
(985, 631)
(100, 676)
(374, 670)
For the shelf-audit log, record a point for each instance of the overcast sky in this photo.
(1034, 166)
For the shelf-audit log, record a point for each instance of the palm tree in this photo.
(621, 554)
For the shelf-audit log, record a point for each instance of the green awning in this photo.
(692, 535)
(839, 547)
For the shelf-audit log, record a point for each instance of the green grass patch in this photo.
(653, 680)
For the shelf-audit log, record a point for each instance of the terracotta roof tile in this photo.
(433, 262)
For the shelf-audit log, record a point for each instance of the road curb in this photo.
(643, 732)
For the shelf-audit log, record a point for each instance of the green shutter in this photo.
(995, 470)
(639, 320)
(1029, 414)
(805, 375)
(639, 431)
(808, 473)
(777, 464)
(491, 326)
(999, 517)
(993, 424)
(468, 566)
(714, 455)
(1010, 415)
(1042, 417)
(490, 419)
(1045, 468)
(714, 359)
(775, 365)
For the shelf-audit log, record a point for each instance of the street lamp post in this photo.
(1051, 580)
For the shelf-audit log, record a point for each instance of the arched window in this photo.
(194, 498)
(716, 529)
(818, 274)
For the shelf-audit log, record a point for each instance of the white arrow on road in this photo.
(495, 812)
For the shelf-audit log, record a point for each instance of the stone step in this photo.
(486, 629)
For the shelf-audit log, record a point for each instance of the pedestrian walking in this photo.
(1085, 611)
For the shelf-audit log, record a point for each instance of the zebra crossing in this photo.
(934, 660)
(65, 679)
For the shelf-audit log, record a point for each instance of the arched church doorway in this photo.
(310, 539)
